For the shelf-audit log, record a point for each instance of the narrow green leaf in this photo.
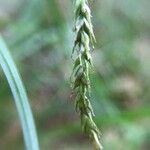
(20, 97)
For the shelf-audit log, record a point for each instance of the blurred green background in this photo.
(40, 37)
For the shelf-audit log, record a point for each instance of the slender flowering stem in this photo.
(80, 77)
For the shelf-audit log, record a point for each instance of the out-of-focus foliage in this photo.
(39, 33)
(20, 97)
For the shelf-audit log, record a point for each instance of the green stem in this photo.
(20, 97)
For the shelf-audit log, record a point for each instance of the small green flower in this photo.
(80, 75)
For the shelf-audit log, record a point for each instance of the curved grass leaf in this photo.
(20, 97)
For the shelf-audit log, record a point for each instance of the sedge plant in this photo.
(84, 39)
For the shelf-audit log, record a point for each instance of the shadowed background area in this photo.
(40, 37)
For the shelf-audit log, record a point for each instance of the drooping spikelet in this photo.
(80, 77)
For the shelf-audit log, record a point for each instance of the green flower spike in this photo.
(80, 76)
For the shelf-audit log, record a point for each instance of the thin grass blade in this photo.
(20, 97)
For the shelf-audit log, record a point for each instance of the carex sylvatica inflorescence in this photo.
(84, 39)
